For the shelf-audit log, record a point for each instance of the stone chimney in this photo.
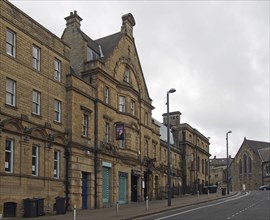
(73, 19)
(128, 22)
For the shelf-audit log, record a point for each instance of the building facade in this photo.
(194, 150)
(76, 120)
(33, 141)
(250, 167)
(218, 171)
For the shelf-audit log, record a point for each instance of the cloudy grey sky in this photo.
(214, 53)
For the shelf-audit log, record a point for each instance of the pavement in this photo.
(133, 210)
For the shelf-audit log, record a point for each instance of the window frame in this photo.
(36, 104)
(9, 161)
(107, 132)
(57, 69)
(36, 54)
(11, 94)
(11, 43)
(122, 104)
(35, 160)
(85, 125)
(56, 164)
(132, 107)
(57, 111)
(106, 94)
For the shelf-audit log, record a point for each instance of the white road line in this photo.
(202, 207)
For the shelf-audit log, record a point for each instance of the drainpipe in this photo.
(67, 157)
(96, 152)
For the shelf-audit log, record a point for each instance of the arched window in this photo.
(245, 163)
(249, 165)
(240, 166)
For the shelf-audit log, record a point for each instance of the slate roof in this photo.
(220, 161)
(257, 145)
(264, 154)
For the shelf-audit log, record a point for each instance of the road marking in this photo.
(202, 207)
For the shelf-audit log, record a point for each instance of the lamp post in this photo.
(169, 149)
(227, 173)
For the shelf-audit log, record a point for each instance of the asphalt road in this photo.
(248, 206)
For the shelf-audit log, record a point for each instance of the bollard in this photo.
(117, 208)
(198, 193)
(146, 203)
(208, 194)
(74, 212)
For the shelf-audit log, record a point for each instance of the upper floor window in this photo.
(85, 125)
(56, 164)
(10, 92)
(36, 58)
(132, 107)
(36, 103)
(57, 70)
(198, 164)
(106, 94)
(35, 160)
(245, 163)
(91, 54)
(11, 43)
(9, 156)
(107, 132)
(202, 166)
(57, 111)
(122, 103)
(127, 75)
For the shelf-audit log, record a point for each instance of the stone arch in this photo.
(59, 139)
(13, 124)
(38, 132)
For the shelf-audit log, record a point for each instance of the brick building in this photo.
(250, 166)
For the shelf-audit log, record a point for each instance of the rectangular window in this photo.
(9, 156)
(10, 92)
(56, 164)
(106, 95)
(35, 160)
(107, 132)
(85, 125)
(57, 70)
(10, 43)
(36, 103)
(36, 58)
(127, 75)
(132, 107)
(91, 54)
(122, 103)
(57, 111)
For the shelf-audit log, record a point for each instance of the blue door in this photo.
(84, 189)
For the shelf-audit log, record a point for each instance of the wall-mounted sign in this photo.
(119, 128)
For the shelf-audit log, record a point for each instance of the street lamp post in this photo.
(227, 173)
(169, 149)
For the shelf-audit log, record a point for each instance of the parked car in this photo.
(264, 187)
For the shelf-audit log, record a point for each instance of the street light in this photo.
(227, 173)
(168, 139)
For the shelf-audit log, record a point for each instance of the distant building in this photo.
(218, 168)
(251, 166)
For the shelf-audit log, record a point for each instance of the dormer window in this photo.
(127, 75)
(91, 54)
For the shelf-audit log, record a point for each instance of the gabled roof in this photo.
(256, 145)
(108, 43)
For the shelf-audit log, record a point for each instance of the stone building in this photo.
(33, 112)
(250, 166)
(194, 150)
(218, 170)
(76, 120)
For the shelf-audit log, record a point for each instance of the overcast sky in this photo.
(214, 53)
